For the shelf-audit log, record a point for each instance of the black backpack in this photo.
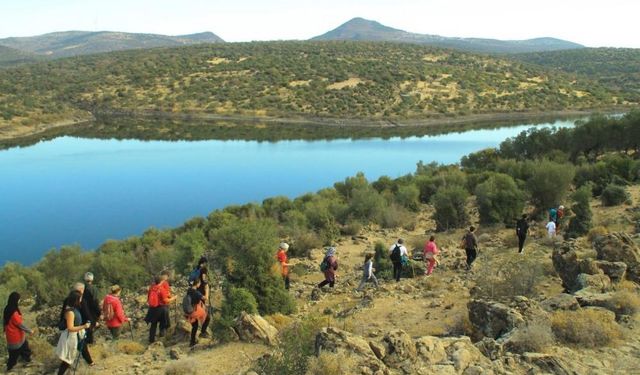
(395, 254)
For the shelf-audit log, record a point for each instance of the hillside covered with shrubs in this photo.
(345, 80)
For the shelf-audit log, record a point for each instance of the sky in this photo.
(592, 23)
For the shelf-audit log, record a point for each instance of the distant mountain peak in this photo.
(361, 29)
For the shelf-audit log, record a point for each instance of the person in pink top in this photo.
(112, 311)
(430, 255)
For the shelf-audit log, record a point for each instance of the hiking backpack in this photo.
(153, 299)
(324, 265)
(395, 254)
(194, 275)
(187, 306)
(108, 313)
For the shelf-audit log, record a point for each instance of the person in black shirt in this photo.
(199, 314)
(522, 229)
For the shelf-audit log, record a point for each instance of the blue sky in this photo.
(593, 23)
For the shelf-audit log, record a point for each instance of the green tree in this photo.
(189, 246)
(580, 223)
(499, 200)
(450, 208)
(549, 183)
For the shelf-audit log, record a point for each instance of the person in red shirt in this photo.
(14, 331)
(282, 258)
(165, 301)
(158, 299)
(113, 300)
(430, 255)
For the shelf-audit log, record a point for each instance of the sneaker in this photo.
(204, 335)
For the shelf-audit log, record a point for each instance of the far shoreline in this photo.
(343, 123)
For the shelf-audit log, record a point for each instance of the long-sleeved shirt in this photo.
(14, 331)
(118, 312)
(431, 247)
(367, 269)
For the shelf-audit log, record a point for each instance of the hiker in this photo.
(367, 270)
(197, 271)
(551, 229)
(193, 306)
(112, 311)
(14, 331)
(165, 319)
(72, 339)
(553, 215)
(470, 244)
(560, 216)
(396, 252)
(430, 255)
(90, 306)
(157, 298)
(284, 266)
(329, 266)
(522, 229)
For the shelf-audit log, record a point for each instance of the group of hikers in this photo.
(82, 311)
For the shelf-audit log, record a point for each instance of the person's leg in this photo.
(374, 279)
(323, 283)
(165, 320)
(432, 263)
(115, 332)
(469, 257)
(152, 331)
(63, 367)
(521, 243)
(25, 351)
(362, 282)
(13, 358)
(194, 331)
(86, 355)
(205, 325)
(397, 270)
(332, 283)
(287, 282)
(473, 256)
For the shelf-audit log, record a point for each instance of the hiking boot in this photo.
(193, 343)
(162, 333)
(204, 335)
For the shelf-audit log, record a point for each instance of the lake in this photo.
(73, 190)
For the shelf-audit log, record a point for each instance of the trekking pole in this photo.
(77, 361)
(131, 330)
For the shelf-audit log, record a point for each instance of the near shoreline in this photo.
(17, 133)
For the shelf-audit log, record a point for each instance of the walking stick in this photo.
(77, 361)
(131, 330)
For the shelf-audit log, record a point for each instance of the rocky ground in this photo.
(453, 322)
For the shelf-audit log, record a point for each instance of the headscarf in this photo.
(331, 251)
(12, 306)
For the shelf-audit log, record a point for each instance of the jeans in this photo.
(364, 281)
(397, 270)
(521, 239)
(24, 351)
(471, 256)
(325, 282)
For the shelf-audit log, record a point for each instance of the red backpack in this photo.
(108, 313)
(153, 298)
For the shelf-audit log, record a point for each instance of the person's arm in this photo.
(16, 319)
(69, 317)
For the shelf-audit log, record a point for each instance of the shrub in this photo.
(614, 195)
(189, 246)
(624, 302)
(549, 183)
(58, 270)
(499, 200)
(330, 364)
(397, 217)
(238, 300)
(408, 197)
(246, 255)
(130, 347)
(44, 353)
(450, 212)
(535, 337)
(352, 228)
(585, 327)
(382, 262)
(513, 276)
(366, 204)
(596, 232)
(302, 244)
(297, 344)
(580, 224)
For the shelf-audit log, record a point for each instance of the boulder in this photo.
(336, 340)
(253, 327)
(562, 301)
(599, 282)
(619, 247)
(565, 262)
(378, 349)
(548, 364)
(615, 270)
(430, 350)
(493, 319)
(607, 301)
(490, 348)
(464, 354)
(400, 347)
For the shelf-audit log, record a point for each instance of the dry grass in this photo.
(585, 328)
(279, 321)
(535, 337)
(43, 352)
(596, 232)
(625, 302)
(351, 82)
(130, 347)
(182, 367)
(331, 364)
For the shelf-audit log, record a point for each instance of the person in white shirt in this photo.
(551, 229)
(396, 257)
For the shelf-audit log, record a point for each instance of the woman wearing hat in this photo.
(329, 266)
(284, 266)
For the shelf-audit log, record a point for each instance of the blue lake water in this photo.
(85, 191)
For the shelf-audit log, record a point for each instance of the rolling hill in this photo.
(366, 30)
(12, 56)
(335, 80)
(73, 43)
(618, 68)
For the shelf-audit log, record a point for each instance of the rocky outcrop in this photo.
(399, 347)
(562, 301)
(599, 282)
(619, 247)
(493, 319)
(616, 271)
(565, 262)
(338, 341)
(253, 327)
